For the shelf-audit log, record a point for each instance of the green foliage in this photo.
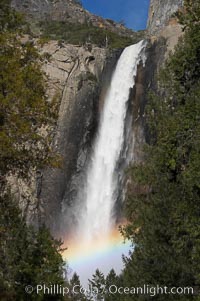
(164, 212)
(102, 287)
(113, 279)
(23, 107)
(76, 291)
(190, 16)
(10, 20)
(80, 34)
(26, 257)
(97, 284)
(42, 41)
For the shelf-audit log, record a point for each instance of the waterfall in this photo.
(96, 241)
(102, 178)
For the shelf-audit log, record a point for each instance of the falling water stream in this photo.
(97, 233)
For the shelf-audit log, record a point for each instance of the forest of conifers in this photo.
(163, 222)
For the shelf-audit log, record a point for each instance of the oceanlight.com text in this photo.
(150, 290)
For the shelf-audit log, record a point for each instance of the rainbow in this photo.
(103, 253)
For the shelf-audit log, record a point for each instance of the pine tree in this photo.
(26, 257)
(97, 285)
(10, 20)
(24, 109)
(76, 290)
(112, 281)
(164, 215)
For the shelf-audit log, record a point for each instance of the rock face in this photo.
(66, 10)
(78, 75)
(160, 12)
(162, 23)
(164, 32)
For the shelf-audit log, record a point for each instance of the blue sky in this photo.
(133, 12)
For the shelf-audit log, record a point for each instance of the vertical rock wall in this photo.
(160, 12)
(77, 74)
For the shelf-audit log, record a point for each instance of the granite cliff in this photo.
(160, 14)
(79, 76)
(71, 11)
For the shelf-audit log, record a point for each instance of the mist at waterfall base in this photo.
(103, 253)
(96, 242)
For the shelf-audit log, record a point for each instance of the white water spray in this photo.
(101, 181)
